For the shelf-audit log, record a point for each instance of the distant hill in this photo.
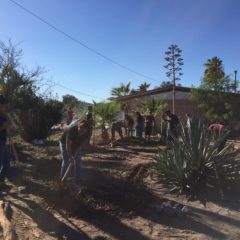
(83, 104)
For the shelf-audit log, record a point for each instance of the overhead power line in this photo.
(81, 43)
(76, 91)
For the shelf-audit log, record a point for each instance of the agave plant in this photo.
(190, 159)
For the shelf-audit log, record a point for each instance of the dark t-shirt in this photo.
(77, 137)
(117, 125)
(173, 122)
(129, 121)
(89, 116)
(3, 133)
(140, 120)
(149, 120)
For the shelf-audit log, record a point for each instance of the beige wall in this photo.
(183, 104)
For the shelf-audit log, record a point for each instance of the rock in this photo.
(22, 189)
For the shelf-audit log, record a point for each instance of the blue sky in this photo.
(135, 33)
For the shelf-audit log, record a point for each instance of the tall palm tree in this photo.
(123, 90)
(213, 71)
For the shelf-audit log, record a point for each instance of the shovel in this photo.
(70, 166)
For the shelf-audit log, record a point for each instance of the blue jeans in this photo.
(139, 130)
(4, 160)
(65, 161)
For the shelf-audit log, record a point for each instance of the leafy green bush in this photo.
(154, 106)
(188, 161)
(106, 112)
(36, 123)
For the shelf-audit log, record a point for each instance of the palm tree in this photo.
(213, 72)
(144, 86)
(105, 113)
(214, 68)
(123, 90)
(153, 106)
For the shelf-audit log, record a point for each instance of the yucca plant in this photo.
(189, 160)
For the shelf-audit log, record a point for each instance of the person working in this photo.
(71, 143)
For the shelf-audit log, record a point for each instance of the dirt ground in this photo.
(116, 199)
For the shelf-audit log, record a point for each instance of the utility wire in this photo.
(81, 43)
(76, 91)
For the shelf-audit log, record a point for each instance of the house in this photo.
(183, 101)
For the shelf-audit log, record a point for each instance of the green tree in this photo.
(105, 113)
(154, 106)
(174, 66)
(144, 87)
(123, 90)
(215, 94)
(70, 100)
(213, 73)
(17, 83)
(166, 84)
(34, 114)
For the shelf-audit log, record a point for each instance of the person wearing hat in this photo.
(5, 123)
(71, 143)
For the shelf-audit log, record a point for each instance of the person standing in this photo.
(150, 121)
(5, 123)
(70, 115)
(130, 122)
(140, 125)
(71, 143)
(173, 121)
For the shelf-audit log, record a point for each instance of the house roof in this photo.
(153, 92)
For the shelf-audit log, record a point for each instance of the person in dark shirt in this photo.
(139, 125)
(149, 120)
(129, 122)
(5, 123)
(71, 143)
(173, 122)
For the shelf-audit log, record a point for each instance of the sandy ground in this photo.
(116, 199)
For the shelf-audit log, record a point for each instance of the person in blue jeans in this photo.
(71, 143)
(5, 123)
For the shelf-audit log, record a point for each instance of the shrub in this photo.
(188, 161)
(36, 123)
